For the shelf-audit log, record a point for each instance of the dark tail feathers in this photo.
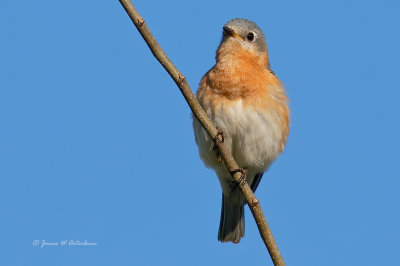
(231, 227)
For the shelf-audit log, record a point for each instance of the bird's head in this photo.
(242, 37)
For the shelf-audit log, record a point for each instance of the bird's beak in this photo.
(230, 32)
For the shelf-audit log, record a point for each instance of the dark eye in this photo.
(250, 36)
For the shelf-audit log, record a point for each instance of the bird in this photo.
(247, 102)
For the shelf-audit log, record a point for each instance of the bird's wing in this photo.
(256, 181)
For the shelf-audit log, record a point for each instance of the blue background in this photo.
(96, 140)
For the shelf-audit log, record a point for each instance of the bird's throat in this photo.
(231, 54)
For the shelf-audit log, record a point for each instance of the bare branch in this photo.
(199, 113)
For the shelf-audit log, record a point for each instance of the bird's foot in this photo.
(242, 180)
(218, 138)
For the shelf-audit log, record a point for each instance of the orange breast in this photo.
(243, 75)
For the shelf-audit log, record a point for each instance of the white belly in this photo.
(253, 136)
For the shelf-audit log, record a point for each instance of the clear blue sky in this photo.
(96, 141)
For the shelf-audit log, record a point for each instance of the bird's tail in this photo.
(231, 226)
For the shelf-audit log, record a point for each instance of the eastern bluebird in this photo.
(243, 98)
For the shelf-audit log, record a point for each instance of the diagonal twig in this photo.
(199, 113)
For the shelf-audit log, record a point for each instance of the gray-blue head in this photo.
(246, 32)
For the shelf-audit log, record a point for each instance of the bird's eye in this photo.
(250, 36)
